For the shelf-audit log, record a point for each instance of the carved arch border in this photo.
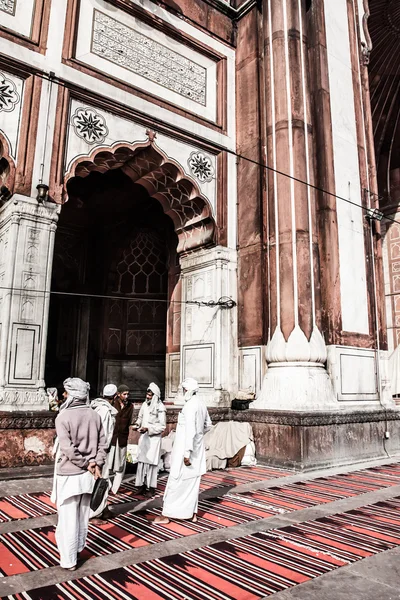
(163, 178)
(7, 164)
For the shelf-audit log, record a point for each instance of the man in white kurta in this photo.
(188, 459)
(107, 413)
(151, 423)
(80, 456)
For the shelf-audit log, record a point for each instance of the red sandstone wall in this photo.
(250, 183)
(204, 15)
(26, 447)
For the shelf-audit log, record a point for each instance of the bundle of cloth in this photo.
(229, 444)
(167, 443)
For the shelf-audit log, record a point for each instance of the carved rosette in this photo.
(8, 6)
(89, 125)
(201, 166)
(9, 96)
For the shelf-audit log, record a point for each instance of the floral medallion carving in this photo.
(89, 125)
(8, 6)
(201, 167)
(9, 96)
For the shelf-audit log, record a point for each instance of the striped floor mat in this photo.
(34, 549)
(318, 491)
(25, 506)
(212, 479)
(247, 568)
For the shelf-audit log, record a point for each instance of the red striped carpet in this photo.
(34, 549)
(247, 568)
(318, 491)
(25, 506)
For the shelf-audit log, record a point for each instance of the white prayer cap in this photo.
(190, 384)
(153, 387)
(77, 388)
(109, 390)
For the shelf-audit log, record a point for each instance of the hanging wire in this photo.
(223, 302)
(164, 125)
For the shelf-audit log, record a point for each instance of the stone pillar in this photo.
(209, 333)
(296, 377)
(27, 231)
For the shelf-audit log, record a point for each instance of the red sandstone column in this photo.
(296, 377)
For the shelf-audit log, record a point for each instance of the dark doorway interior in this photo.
(113, 241)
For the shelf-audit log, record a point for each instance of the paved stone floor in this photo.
(371, 578)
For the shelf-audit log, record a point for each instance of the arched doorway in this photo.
(129, 214)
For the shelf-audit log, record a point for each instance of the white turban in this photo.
(191, 386)
(77, 389)
(155, 399)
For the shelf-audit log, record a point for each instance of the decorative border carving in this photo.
(45, 419)
(27, 420)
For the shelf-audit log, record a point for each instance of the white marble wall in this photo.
(358, 378)
(209, 333)
(353, 285)
(27, 231)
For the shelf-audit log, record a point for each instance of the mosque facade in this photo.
(203, 188)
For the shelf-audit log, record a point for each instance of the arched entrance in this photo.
(129, 214)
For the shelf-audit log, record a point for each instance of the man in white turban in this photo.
(104, 408)
(151, 423)
(188, 459)
(80, 456)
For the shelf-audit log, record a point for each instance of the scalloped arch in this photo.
(7, 164)
(164, 180)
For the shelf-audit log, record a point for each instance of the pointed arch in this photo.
(164, 179)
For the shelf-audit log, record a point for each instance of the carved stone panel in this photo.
(122, 45)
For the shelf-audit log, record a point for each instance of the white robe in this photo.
(107, 414)
(182, 491)
(73, 494)
(149, 447)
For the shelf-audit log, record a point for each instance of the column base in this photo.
(13, 399)
(296, 386)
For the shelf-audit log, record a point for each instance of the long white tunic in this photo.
(149, 447)
(182, 491)
(107, 414)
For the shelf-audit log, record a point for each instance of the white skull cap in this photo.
(109, 390)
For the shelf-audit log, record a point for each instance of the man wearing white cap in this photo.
(107, 413)
(188, 459)
(151, 423)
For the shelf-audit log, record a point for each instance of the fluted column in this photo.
(296, 354)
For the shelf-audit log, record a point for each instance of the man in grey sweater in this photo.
(80, 456)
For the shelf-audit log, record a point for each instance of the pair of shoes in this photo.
(142, 490)
(70, 568)
(150, 492)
